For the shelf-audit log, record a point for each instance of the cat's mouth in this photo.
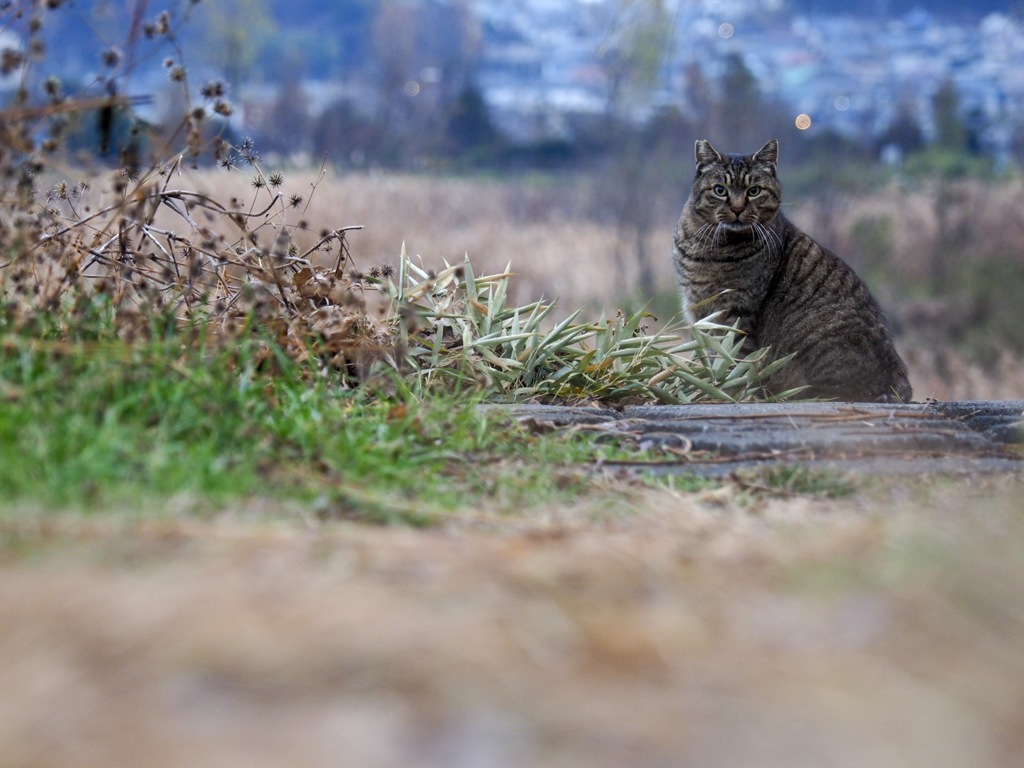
(735, 225)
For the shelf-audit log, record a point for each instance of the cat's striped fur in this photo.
(736, 252)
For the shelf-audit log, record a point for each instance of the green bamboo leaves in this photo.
(459, 328)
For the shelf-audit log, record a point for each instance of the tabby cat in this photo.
(736, 253)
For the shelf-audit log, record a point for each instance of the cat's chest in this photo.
(740, 266)
(733, 278)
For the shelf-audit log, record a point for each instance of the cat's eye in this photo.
(720, 190)
(754, 191)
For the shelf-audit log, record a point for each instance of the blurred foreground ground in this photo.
(729, 627)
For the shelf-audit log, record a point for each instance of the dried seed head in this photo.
(161, 26)
(10, 60)
(249, 153)
(213, 89)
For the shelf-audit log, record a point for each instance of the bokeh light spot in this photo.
(803, 122)
(726, 30)
(842, 103)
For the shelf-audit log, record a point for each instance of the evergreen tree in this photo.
(469, 122)
(904, 132)
(235, 32)
(950, 132)
(740, 116)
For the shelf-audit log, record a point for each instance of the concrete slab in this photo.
(952, 438)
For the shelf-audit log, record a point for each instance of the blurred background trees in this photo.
(397, 83)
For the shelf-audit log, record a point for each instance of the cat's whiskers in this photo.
(754, 234)
(762, 233)
(768, 236)
(772, 240)
(757, 237)
(704, 235)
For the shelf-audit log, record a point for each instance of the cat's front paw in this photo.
(889, 398)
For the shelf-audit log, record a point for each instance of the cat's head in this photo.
(736, 190)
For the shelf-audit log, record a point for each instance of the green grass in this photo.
(95, 422)
(797, 480)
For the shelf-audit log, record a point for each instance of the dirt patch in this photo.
(715, 628)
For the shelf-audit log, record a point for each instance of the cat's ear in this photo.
(705, 154)
(769, 153)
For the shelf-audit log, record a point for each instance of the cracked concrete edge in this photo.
(967, 412)
(949, 438)
(944, 466)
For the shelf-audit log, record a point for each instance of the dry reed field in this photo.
(539, 227)
(560, 247)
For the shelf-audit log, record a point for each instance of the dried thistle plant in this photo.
(139, 252)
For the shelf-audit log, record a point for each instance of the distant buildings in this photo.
(542, 59)
(540, 64)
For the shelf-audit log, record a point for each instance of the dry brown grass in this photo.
(974, 219)
(540, 227)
